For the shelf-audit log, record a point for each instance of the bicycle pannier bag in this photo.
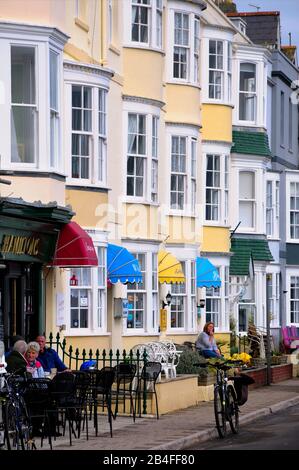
(241, 383)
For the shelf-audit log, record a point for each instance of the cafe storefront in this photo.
(28, 237)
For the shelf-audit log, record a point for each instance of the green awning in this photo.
(252, 143)
(243, 249)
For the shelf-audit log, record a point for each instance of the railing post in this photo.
(97, 358)
(144, 384)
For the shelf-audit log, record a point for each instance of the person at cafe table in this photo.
(49, 358)
(34, 366)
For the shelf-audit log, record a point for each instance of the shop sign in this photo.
(20, 245)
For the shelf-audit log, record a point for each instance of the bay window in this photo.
(147, 22)
(142, 156)
(178, 302)
(294, 210)
(247, 92)
(294, 299)
(88, 140)
(54, 110)
(216, 69)
(137, 296)
(24, 111)
(183, 168)
(88, 299)
(186, 47)
(247, 202)
(217, 188)
(272, 208)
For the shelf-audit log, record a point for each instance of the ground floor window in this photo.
(178, 302)
(294, 299)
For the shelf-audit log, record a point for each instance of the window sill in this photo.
(80, 332)
(211, 223)
(138, 333)
(134, 200)
(114, 49)
(218, 102)
(178, 81)
(87, 185)
(180, 213)
(144, 46)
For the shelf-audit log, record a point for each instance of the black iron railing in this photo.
(73, 358)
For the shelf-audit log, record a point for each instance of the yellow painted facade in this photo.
(90, 207)
(143, 72)
(215, 239)
(182, 104)
(216, 122)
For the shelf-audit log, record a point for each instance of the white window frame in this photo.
(154, 24)
(93, 329)
(220, 295)
(290, 273)
(150, 158)
(274, 298)
(139, 288)
(91, 77)
(191, 164)
(253, 200)
(254, 93)
(150, 308)
(273, 210)
(192, 51)
(226, 38)
(43, 40)
(292, 176)
(216, 70)
(190, 310)
(223, 188)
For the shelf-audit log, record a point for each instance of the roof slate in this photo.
(262, 27)
(252, 143)
(243, 249)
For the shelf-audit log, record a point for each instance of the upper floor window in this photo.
(142, 156)
(272, 208)
(54, 110)
(282, 118)
(88, 133)
(294, 210)
(247, 92)
(186, 47)
(24, 110)
(146, 22)
(247, 202)
(183, 172)
(216, 69)
(290, 124)
(181, 45)
(217, 173)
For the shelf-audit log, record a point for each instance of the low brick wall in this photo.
(278, 374)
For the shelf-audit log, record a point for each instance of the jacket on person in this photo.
(203, 342)
(16, 362)
(49, 359)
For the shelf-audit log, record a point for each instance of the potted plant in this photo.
(206, 376)
(278, 358)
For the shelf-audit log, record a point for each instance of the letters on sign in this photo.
(18, 245)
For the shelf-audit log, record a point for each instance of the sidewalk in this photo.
(181, 429)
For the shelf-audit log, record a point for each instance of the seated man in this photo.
(48, 357)
(16, 361)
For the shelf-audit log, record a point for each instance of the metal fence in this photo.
(74, 358)
(240, 342)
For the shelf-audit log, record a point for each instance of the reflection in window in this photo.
(247, 92)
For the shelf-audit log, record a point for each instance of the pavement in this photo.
(181, 429)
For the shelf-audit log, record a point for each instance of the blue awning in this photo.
(122, 266)
(206, 273)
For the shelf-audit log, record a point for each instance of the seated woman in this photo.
(206, 344)
(34, 366)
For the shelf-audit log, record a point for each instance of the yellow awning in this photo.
(169, 268)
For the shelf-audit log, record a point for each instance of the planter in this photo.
(277, 360)
(258, 361)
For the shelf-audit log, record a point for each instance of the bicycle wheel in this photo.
(232, 409)
(219, 409)
(17, 429)
(11, 428)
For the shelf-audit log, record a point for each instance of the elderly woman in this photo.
(34, 366)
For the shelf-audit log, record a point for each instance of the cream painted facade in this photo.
(127, 144)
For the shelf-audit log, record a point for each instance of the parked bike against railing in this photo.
(15, 427)
(225, 397)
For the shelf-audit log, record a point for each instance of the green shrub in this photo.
(187, 360)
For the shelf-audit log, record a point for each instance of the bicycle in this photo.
(225, 398)
(15, 426)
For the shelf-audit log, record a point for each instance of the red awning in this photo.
(74, 248)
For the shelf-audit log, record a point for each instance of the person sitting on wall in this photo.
(34, 366)
(48, 357)
(206, 344)
(16, 361)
